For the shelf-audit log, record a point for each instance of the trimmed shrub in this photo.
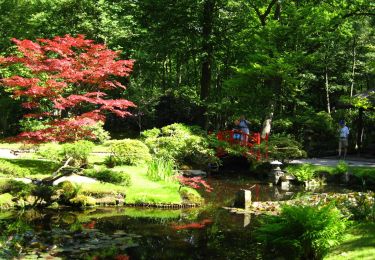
(7, 168)
(98, 131)
(284, 148)
(130, 152)
(79, 151)
(107, 175)
(68, 191)
(302, 232)
(51, 151)
(183, 144)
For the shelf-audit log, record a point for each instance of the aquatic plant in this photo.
(342, 167)
(302, 172)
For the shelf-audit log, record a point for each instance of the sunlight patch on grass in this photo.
(37, 168)
(358, 244)
(101, 189)
(10, 145)
(143, 190)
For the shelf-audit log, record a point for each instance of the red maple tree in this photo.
(63, 83)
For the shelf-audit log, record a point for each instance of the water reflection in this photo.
(209, 232)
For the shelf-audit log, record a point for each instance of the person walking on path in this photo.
(343, 138)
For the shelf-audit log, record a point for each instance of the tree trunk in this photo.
(360, 130)
(327, 90)
(207, 49)
(353, 67)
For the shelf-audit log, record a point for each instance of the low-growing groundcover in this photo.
(302, 232)
(358, 174)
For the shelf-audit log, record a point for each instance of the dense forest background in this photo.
(205, 62)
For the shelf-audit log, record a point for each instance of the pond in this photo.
(210, 232)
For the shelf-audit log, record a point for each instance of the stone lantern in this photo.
(276, 172)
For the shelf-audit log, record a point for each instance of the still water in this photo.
(209, 232)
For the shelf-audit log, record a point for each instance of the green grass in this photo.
(359, 243)
(143, 190)
(6, 200)
(11, 145)
(37, 168)
(101, 189)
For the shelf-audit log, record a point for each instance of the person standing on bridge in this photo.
(244, 127)
(236, 130)
(344, 134)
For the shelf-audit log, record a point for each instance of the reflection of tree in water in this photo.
(14, 235)
(51, 233)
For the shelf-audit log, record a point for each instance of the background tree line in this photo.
(207, 61)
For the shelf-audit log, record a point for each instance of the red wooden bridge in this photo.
(250, 141)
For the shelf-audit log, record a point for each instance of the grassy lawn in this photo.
(144, 190)
(141, 190)
(359, 243)
(36, 168)
(11, 145)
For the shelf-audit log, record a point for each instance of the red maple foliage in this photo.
(194, 225)
(63, 83)
(194, 182)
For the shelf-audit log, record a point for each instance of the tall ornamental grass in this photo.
(160, 169)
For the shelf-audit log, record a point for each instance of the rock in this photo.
(24, 180)
(193, 173)
(83, 201)
(74, 178)
(243, 199)
(285, 185)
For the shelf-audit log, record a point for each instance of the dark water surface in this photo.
(209, 232)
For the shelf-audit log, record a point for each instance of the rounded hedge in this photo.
(110, 176)
(130, 152)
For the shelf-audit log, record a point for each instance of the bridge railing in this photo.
(251, 141)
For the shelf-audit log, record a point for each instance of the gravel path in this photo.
(6, 153)
(329, 161)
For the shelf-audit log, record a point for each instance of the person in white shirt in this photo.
(343, 141)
